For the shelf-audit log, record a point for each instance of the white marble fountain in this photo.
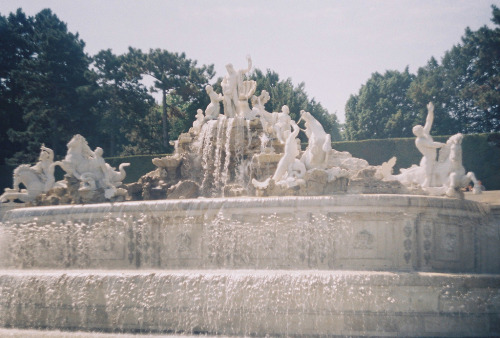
(241, 232)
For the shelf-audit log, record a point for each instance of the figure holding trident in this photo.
(232, 84)
(426, 145)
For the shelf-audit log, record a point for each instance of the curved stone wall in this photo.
(346, 232)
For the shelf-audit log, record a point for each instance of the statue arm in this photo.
(249, 59)
(438, 144)
(430, 118)
(296, 129)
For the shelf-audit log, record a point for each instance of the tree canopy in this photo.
(464, 87)
(44, 72)
(50, 89)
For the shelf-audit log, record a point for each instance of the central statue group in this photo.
(218, 157)
(443, 175)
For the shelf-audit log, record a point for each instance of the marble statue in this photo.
(289, 166)
(282, 123)
(198, 123)
(37, 179)
(444, 176)
(451, 173)
(258, 107)
(427, 147)
(246, 91)
(90, 169)
(319, 143)
(232, 87)
(213, 108)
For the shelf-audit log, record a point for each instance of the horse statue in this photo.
(450, 172)
(89, 167)
(37, 179)
(319, 143)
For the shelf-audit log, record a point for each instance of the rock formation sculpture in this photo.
(246, 151)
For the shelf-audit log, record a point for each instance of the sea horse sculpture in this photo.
(319, 145)
(444, 176)
(37, 179)
(90, 168)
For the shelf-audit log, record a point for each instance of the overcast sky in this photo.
(332, 46)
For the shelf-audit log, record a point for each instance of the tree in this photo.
(174, 75)
(482, 92)
(465, 87)
(15, 46)
(122, 103)
(49, 80)
(382, 108)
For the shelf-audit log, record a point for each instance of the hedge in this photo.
(481, 155)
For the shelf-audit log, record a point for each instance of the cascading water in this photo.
(223, 145)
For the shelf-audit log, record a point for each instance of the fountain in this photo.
(241, 232)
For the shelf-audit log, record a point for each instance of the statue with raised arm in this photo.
(232, 87)
(427, 147)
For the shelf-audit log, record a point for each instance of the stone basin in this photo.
(362, 265)
(368, 232)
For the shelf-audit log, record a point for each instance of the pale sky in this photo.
(332, 46)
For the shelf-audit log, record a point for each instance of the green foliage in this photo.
(50, 72)
(139, 165)
(15, 46)
(464, 89)
(381, 109)
(175, 76)
(122, 103)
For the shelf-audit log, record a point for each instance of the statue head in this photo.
(79, 144)
(209, 89)
(456, 139)
(230, 68)
(418, 130)
(46, 154)
(285, 109)
(98, 151)
(305, 115)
